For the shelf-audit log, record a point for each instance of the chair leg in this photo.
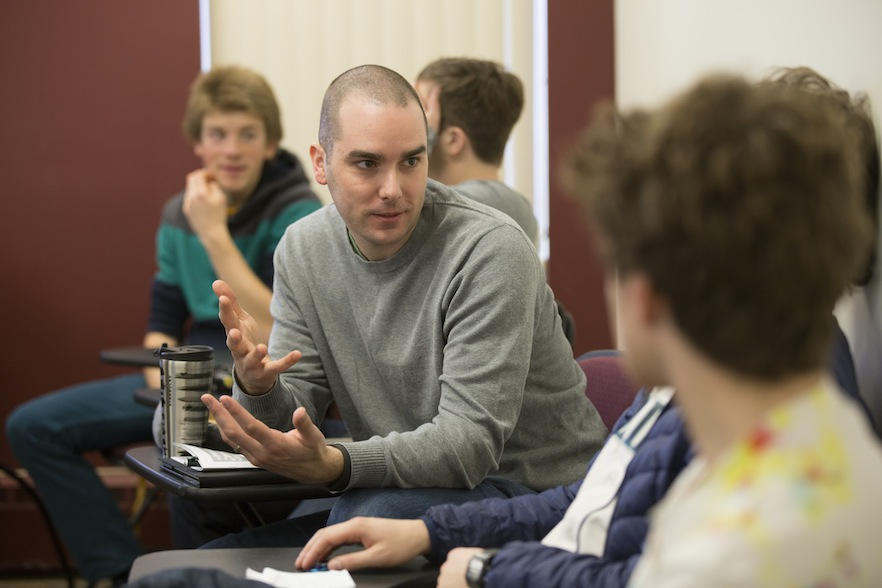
(144, 496)
(249, 514)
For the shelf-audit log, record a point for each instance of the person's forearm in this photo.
(496, 522)
(230, 266)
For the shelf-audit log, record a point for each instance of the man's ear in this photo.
(271, 149)
(454, 141)
(648, 305)
(317, 155)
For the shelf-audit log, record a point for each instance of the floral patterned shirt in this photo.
(798, 502)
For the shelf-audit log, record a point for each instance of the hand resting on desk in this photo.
(387, 543)
(301, 453)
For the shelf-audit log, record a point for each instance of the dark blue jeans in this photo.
(394, 503)
(49, 436)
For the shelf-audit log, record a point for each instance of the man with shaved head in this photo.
(426, 318)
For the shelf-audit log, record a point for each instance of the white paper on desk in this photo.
(213, 459)
(329, 579)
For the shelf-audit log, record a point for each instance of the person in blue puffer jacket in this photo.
(607, 526)
(515, 526)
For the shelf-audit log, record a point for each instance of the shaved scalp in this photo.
(375, 83)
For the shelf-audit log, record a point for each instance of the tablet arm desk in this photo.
(146, 462)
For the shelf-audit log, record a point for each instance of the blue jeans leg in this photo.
(49, 435)
(286, 533)
(412, 503)
(196, 523)
(396, 503)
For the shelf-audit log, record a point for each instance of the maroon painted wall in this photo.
(580, 74)
(92, 96)
(93, 93)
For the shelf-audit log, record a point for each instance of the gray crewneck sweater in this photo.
(447, 361)
(504, 198)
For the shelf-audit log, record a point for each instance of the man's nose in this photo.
(390, 188)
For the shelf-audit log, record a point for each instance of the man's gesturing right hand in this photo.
(256, 372)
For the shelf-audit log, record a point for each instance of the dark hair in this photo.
(232, 89)
(743, 204)
(858, 115)
(375, 82)
(481, 98)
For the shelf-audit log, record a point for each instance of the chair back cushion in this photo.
(609, 387)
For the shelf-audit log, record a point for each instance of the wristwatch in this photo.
(478, 567)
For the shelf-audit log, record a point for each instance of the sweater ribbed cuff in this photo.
(368, 464)
(342, 482)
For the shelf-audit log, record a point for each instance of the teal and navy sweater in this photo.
(182, 302)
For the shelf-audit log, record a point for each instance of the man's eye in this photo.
(215, 134)
(249, 135)
(366, 164)
(412, 161)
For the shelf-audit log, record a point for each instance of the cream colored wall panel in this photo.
(518, 56)
(301, 46)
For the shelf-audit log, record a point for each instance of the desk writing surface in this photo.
(143, 357)
(145, 461)
(130, 356)
(417, 572)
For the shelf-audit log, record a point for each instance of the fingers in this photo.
(387, 542)
(285, 362)
(326, 540)
(229, 310)
(221, 288)
(256, 373)
(197, 187)
(255, 362)
(201, 184)
(309, 432)
(246, 353)
(249, 433)
(354, 561)
(314, 552)
(197, 183)
(240, 327)
(225, 423)
(453, 570)
(234, 319)
(237, 426)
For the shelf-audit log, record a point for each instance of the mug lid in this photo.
(186, 352)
